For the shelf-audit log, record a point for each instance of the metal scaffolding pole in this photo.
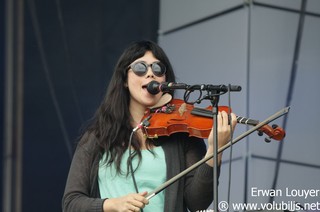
(13, 108)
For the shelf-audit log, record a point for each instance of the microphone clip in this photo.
(144, 123)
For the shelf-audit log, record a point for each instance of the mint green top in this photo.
(150, 174)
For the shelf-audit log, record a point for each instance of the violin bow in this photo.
(200, 162)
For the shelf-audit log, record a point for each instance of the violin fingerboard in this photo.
(209, 114)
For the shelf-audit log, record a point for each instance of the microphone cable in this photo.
(231, 140)
(143, 123)
(130, 165)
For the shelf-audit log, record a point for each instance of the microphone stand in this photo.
(205, 159)
(214, 99)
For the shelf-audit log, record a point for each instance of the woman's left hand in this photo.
(224, 133)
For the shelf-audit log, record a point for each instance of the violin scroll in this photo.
(275, 132)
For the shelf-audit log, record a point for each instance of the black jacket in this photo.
(194, 191)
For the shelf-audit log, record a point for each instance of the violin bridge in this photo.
(182, 109)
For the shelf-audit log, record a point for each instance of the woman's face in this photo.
(139, 96)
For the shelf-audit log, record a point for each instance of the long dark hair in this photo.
(111, 124)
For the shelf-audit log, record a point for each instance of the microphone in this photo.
(155, 87)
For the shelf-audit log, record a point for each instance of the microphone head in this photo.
(153, 87)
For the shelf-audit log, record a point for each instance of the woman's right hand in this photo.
(130, 202)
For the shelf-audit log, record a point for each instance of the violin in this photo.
(178, 116)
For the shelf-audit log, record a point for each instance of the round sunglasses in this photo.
(141, 68)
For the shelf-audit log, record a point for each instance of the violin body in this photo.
(179, 119)
(178, 116)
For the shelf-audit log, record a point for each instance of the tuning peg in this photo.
(267, 140)
(260, 133)
(274, 126)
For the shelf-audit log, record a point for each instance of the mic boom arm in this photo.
(155, 87)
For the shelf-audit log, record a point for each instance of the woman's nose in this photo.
(150, 72)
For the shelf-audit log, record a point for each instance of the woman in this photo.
(103, 177)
